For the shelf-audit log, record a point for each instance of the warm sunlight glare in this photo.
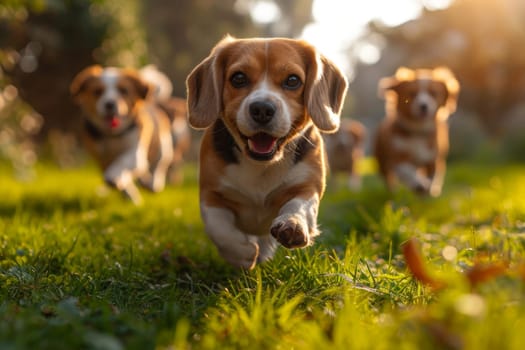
(265, 12)
(262, 11)
(338, 23)
(436, 4)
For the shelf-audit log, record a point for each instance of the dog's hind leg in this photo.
(437, 175)
(124, 183)
(160, 171)
(123, 171)
(267, 246)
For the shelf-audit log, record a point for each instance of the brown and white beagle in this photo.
(262, 163)
(412, 143)
(126, 129)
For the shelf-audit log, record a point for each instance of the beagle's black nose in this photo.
(110, 106)
(262, 111)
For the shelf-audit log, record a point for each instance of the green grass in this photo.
(80, 268)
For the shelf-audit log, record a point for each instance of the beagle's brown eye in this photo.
(123, 91)
(97, 92)
(239, 80)
(293, 82)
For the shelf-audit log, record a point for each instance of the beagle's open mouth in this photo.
(262, 146)
(113, 121)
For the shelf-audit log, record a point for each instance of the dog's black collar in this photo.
(304, 145)
(98, 134)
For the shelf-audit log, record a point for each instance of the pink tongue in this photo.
(262, 143)
(114, 122)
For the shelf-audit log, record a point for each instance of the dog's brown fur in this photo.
(345, 148)
(412, 143)
(126, 130)
(261, 180)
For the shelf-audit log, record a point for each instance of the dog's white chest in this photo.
(251, 187)
(418, 148)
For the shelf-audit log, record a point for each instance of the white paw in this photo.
(291, 231)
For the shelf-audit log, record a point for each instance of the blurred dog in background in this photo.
(412, 143)
(345, 148)
(132, 127)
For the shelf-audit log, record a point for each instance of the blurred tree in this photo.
(297, 13)
(481, 40)
(181, 33)
(51, 41)
(288, 20)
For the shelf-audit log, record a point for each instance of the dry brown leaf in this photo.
(480, 273)
(417, 265)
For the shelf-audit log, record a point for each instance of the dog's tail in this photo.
(161, 84)
(176, 108)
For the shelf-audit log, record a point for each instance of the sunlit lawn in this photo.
(80, 268)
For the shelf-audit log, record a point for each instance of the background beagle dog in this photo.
(412, 141)
(262, 163)
(345, 148)
(126, 129)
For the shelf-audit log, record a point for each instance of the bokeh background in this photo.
(44, 43)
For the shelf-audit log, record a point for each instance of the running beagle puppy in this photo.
(345, 148)
(126, 129)
(411, 144)
(262, 162)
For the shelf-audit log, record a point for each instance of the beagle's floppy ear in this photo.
(143, 88)
(386, 84)
(392, 83)
(80, 81)
(325, 92)
(204, 88)
(445, 75)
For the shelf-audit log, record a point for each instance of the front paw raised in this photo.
(290, 231)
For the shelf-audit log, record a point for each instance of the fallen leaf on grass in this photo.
(480, 273)
(417, 266)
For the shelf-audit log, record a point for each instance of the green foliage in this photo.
(82, 268)
(124, 44)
